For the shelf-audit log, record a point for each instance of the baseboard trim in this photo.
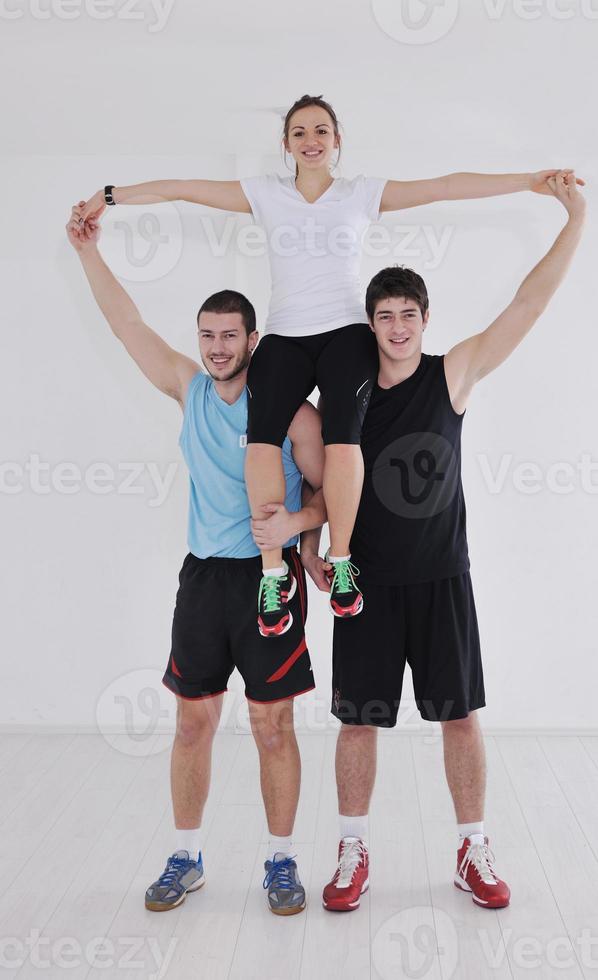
(426, 729)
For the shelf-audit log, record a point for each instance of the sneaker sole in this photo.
(459, 883)
(349, 906)
(291, 911)
(163, 907)
(269, 635)
(347, 615)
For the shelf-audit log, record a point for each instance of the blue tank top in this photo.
(213, 441)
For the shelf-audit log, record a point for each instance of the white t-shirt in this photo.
(315, 250)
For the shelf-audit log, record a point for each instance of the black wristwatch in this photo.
(108, 194)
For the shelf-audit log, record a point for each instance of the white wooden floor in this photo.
(84, 828)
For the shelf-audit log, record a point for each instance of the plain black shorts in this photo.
(215, 629)
(433, 627)
(284, 371)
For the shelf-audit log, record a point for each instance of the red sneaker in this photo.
(475, 874)
(343, 893)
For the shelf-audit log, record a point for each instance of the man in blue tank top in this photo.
(214, 620)
(410, 543)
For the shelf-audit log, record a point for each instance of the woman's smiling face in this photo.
(311, 138)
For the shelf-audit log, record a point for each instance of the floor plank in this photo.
(453, 911)
(336, 945)
(569, 864)
(403, 936)
(11, 744)
(157, 931)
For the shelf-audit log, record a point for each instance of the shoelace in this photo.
(280, 875)
(481, 857)
(352, 852)
(269, 594)
(174, 866)
(343, 580)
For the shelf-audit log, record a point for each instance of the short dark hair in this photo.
(230, 301)
(396, 280)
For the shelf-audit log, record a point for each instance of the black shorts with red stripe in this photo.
(214, 630)
(433, 627)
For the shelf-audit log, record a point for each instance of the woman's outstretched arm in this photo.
(400, 194)
(224, 194)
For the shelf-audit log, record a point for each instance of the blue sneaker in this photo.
(286, 894)
(181, 875)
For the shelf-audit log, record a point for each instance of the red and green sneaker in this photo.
(274, 616)
(345, 598)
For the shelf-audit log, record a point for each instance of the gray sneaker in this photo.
(286, 894)
(181, 875)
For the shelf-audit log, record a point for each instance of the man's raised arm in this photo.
(166, 368)
(477, 356)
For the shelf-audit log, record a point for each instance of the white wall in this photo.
(88, 580)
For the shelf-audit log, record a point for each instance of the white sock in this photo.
(279, 845)
(475, 832)
(276, 572)
(354, 826)
(334, 558)
(189, 840)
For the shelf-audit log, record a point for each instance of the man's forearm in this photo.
(311, 517)
(461, 186)
(114, 302)
(310, 541)
(539, 286)
(312, 514)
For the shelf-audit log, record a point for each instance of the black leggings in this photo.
(284, 371)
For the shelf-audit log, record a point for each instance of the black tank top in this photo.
(411, 522)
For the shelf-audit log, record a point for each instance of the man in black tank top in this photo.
(411, 546)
